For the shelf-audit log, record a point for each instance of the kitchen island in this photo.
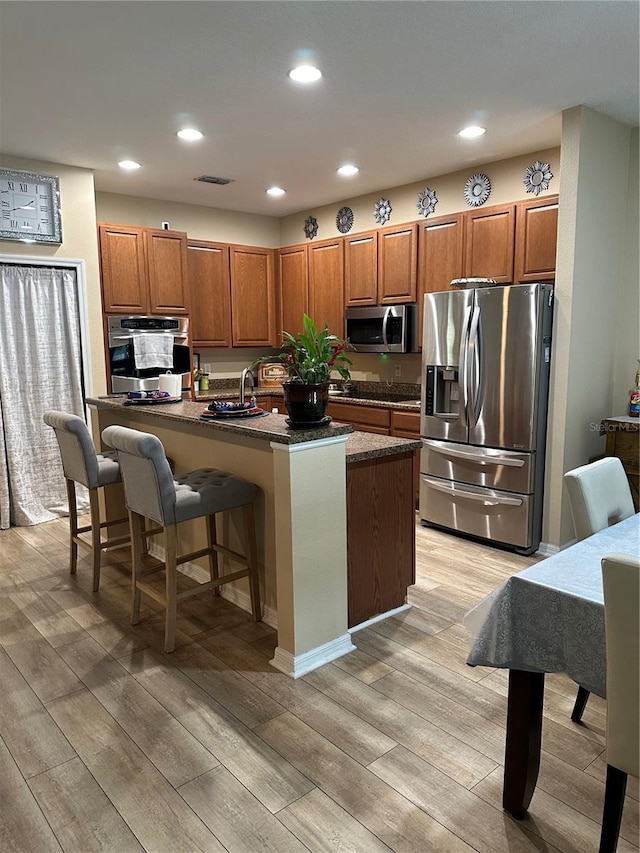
(335, 520)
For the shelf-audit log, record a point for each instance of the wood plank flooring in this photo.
(108, 744)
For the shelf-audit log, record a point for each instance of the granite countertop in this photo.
(270, 427)
(375, 394)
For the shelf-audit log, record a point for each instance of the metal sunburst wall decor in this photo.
(382, 211)
(427, 201)
(477, 189)
(537, 177)
(344, 220)
(310, 227)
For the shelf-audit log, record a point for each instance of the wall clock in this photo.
(30, 207)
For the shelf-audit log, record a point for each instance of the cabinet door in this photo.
(293, 289)
(489, 242)
(536, 239)
(361, 269)
(253, 295)
(167, 265)
(326, 285)
(210, 293)
(397, 264)
(440, 257)
(123, 269)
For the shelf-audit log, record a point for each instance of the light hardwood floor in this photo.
(109, 744)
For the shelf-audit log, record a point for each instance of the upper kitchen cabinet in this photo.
(536, 239)
(440, 256)
(380, 267)
(252, 297)
(293, 288)
(167, 267)
(361, 269)
(326, 284)
(489, 243)
(397, 264)
(210, 292)
(143, 271)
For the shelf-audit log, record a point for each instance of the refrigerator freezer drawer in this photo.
(488, 513)
(508, 470)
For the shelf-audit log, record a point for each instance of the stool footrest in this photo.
(160, 596)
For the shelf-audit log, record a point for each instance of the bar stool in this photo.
(151, 491)
(81, 464)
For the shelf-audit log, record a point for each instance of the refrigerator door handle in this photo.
(462, 366)
(385, 321)
(474, 364)
(472, 496)
(480, 460)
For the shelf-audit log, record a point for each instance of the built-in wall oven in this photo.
(142, 347)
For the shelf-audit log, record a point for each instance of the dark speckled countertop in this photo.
(271, 427)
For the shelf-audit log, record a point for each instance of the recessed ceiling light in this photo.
(275, 191)
(190, 134)
(129, 165)
(348, 170)
(305, 74)
(472, 132)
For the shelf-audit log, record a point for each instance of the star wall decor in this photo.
(344, 220)
(537, 177)
(382, 211)
(427, 201)
(310, 227)
(477, 189)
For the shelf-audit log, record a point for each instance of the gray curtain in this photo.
(40, 368)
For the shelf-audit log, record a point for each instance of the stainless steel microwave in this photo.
(383, 328)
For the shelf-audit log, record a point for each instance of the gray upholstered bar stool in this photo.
(82, 464)
(151, 491)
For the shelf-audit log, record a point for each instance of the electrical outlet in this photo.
(397, 370)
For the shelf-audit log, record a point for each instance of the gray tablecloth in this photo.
(550, 617)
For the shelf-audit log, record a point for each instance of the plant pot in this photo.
(306, 404)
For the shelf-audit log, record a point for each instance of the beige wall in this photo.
(506, 178)
(77, 200)
(200, 223)
(591, 291)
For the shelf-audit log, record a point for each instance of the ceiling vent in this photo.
(211, 179)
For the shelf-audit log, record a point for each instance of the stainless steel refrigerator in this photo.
(485, 383)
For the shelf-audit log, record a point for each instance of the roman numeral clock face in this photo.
(29, 207)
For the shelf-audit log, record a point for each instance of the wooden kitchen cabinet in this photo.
(293, 289)
(536, 239)
(440, 257)
(166, 253)
(326, 285)
(143, 271)
(380, 267)
(364, 418)
(406, 424)
(210, 292)
(489, 243)
(397, 264)
(253, 319)
(361, 269)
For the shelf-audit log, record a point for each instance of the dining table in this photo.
(547, 618)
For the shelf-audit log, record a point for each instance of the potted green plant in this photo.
(310, 357)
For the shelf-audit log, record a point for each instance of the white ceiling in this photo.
(90, 83)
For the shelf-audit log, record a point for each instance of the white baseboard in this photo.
(298, 665)
(379, 618)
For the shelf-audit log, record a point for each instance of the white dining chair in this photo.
(599, 496)
(621, 583)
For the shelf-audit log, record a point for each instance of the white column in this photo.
(311, 549)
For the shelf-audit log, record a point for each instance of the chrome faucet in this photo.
(243, 381)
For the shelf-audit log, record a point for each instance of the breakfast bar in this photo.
(328, 562)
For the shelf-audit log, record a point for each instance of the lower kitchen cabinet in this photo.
(363, 418)
(380, 535)
(407, 425)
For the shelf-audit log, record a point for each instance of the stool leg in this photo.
(135, 528)
(212, 539)
(252, 560)
(170, 549)
(73, 526)
(94, 506)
